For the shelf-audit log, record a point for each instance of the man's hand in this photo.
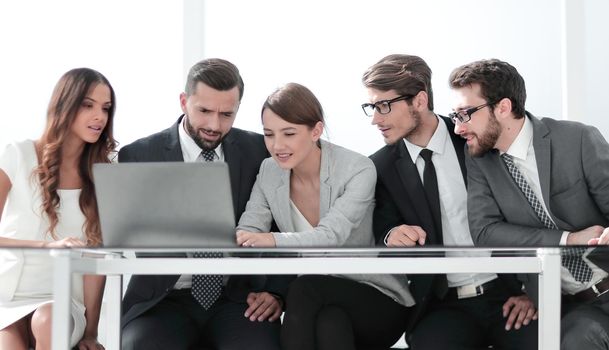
(406, 236)
(262, 306)
(253, 239)
(89, 343)
(602, 240)
(519, 310)
(583, 237)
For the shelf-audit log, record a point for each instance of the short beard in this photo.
(488, 139)
(194, 134)
(416, 124)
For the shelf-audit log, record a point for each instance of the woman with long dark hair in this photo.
(47, 200)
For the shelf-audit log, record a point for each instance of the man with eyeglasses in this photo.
(537, 182)
(421, 200)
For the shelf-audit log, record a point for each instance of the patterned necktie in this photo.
(206, 289)
(572, 259)
(207, 155)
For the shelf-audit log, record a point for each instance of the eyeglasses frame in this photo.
(388, 102)
(458, 117)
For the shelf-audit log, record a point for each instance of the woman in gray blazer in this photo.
(320, 195)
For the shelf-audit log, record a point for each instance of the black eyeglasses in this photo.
(383, 106)
(465, 115)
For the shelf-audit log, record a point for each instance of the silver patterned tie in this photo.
(206, 289)
(207, 155)
(571, 259)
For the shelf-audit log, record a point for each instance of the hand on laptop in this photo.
(255, 239)
(262, 306)
(68, 242)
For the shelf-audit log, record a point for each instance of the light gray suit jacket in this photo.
(347, 182)
(573, 165)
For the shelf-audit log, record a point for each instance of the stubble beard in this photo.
(416, 125)
(196, 137)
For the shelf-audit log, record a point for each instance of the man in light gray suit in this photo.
(537, 182)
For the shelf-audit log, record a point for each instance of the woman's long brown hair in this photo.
(66, 100)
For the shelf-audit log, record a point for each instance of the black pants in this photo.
(585, 325)
(471, 323)
(327, 312)
(179, 322)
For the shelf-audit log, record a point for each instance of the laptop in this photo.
(165, 205)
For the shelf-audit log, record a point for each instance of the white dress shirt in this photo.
(523, 153)
(453, 200)
(190, 152)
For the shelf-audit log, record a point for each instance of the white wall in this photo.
(328, 45)
(596, 62)
(136, 44)
(140, 46)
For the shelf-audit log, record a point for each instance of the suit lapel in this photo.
(459, 144)
(411, 180)
(172, 149)
(232, 157)
(173, 153)
(282, 194)
(542, 143)
(500, 180)
(325, 190)
(282, 197)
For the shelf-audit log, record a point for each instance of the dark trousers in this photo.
(585, 325)
(471, 323)
(327, 312)
(179, 322)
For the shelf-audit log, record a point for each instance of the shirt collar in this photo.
(520, 147)
(436, 144)
(190, 149)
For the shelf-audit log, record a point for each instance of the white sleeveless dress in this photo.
(26, 275)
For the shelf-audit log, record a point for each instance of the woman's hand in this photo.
(68, 242)
(89, 343)
(251, 239)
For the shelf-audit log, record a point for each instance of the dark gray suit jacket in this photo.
(573, 165)
(243, 151)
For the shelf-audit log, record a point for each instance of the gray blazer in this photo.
(573, 165)
(347, 181)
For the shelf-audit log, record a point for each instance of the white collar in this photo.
(520, 147)
(436, 144)
(190, 150)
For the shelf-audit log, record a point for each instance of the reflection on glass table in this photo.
(544, 262)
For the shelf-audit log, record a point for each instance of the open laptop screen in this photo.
(165, 205)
